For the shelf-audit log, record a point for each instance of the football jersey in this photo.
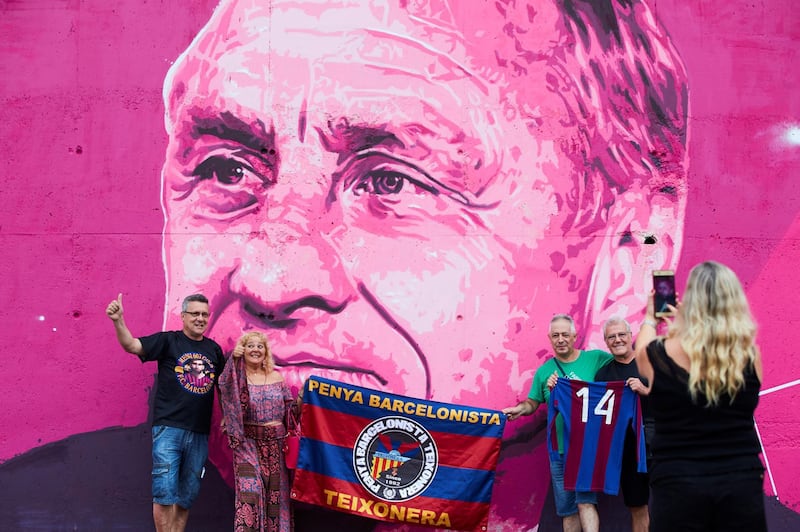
(596, 417)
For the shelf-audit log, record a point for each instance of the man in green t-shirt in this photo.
(578, 510)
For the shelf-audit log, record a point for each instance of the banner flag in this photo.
(397, 459)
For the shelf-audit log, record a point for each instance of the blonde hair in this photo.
(716, 331)
(269, 363)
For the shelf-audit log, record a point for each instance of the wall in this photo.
(419, 273)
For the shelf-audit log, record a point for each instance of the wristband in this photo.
(651, 323)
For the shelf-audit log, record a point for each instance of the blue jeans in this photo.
(567, 501)
(179, 457)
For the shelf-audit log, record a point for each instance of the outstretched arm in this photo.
(525, 408)
(124, 336)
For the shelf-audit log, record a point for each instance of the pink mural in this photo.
(401, 208)
(400, 194)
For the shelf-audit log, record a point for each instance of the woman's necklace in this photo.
(251, 380)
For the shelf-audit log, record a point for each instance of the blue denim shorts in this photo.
(567, 501)
(179, 458)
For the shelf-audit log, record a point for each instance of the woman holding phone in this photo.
(704, 377)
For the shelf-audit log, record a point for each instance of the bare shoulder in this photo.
(274, 377)
(675, 351)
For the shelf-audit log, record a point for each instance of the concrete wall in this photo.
(428, 192)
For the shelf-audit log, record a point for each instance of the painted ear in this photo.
(645, 233)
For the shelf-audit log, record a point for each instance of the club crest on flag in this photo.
(395, 458)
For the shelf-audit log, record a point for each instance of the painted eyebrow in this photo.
(353, 139)
(227, 126)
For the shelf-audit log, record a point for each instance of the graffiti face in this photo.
(394, 207)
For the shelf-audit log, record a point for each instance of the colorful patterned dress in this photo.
(261, 477)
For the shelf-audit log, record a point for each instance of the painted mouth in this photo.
(307, 363)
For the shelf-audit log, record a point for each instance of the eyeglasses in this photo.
(197, 314)
(618, 335)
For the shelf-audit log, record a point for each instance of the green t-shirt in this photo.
(582, 368)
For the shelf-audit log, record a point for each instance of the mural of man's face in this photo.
(374, 192)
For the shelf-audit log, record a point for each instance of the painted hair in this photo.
(269, 362)
(716, 331)
(622, 82)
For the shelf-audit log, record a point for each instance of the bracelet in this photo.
(651, 323)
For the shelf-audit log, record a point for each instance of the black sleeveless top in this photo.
(694, 439)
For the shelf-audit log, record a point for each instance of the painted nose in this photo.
(290, 269)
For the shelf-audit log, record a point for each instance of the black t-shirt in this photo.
(187, 374)
(616, 371)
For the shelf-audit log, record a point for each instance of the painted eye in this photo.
(382, 182)
(385, 181)
(226, 171)
(227, 184)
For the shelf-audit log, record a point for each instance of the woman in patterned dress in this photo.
(254, 400)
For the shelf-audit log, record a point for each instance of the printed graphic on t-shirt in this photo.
(195, 372)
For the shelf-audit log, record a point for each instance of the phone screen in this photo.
(664, 286)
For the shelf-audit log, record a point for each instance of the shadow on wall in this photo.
(101, 481)
(98, 481)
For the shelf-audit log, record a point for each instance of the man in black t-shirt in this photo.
(635, 485)
(188, 367)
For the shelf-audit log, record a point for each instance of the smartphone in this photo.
(664, 286)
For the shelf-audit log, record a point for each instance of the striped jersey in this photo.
(596, 416)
